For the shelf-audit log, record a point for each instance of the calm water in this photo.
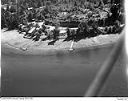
(61, 74)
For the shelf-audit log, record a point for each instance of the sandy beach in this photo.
(15, 42)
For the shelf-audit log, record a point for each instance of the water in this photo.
(61, 74)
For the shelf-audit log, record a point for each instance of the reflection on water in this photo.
(60, 75)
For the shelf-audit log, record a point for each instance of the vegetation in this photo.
(50, 10)
(83, 14)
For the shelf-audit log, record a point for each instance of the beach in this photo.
(15, 42)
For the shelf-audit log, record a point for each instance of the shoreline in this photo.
(14, 45)
(7, 49)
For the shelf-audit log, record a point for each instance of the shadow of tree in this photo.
(44, 39)
(81, 36)
(8, 30)
(68, 39)
(52, 42)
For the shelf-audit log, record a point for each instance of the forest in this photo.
(83, 14)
